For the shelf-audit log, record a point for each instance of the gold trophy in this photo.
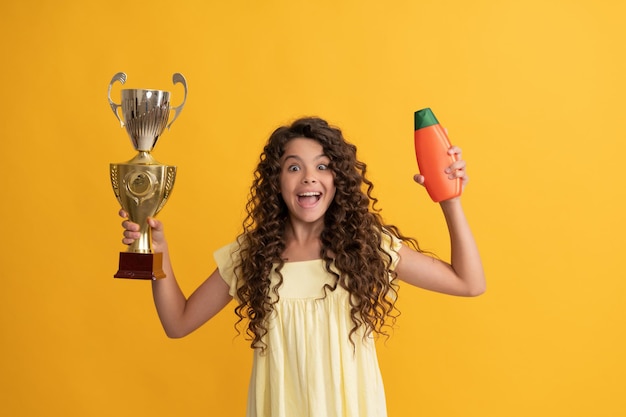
(143, 185)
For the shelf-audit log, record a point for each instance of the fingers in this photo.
(418, 178)
(134, 227)
(130, 237)
(457, 168)
(131, 232)
(156, 225)
(454, 171)
(130, 226)
(455, 150)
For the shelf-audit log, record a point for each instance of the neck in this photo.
(302, 241)
(303, 232)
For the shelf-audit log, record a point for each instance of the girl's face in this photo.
(307, 184)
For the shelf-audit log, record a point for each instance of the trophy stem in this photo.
(143, 158)
(144, 243)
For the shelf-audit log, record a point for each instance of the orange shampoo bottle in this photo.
(431, 150)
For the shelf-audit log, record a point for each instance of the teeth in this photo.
(310, 194)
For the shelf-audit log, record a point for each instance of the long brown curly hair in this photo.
(351, 239)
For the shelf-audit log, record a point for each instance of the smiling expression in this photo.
(307, 184)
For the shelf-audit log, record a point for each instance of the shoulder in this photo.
(389, 241)
(391, 244)
(227, 252)
(227, 258)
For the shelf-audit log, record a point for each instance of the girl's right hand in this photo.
(131, 232)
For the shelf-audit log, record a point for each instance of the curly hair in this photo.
(351, 239)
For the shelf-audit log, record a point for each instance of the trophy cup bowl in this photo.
(142, 185)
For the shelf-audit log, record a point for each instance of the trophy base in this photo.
(140, 266)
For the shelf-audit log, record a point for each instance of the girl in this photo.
(314, 274)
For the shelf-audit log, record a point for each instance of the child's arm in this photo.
(464, 275)
(179, 315)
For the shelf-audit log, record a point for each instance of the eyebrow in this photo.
(296, 157)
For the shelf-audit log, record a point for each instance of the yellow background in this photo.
(533, 91)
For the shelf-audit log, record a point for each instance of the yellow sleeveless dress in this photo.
(310, 368)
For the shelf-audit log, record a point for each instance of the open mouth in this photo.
(309, 199)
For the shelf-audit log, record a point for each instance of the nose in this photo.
(308, 177)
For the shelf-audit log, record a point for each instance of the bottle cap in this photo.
(425, 118)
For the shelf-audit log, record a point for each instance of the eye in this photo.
(293, 168)
(323, 166)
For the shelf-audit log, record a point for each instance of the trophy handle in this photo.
(115, 182)
(121, 77)
(178, 78)
(170, 177)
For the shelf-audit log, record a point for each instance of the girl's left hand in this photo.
(455, 170)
